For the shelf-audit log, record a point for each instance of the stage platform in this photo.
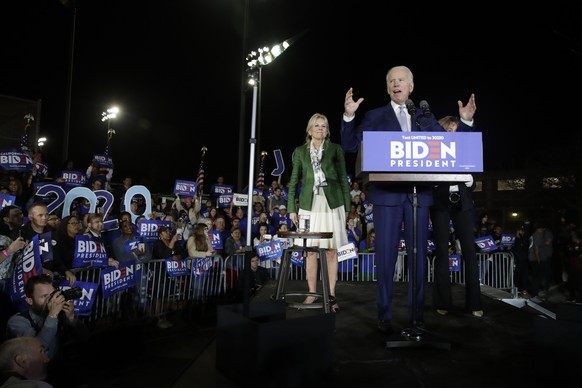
(515, 344)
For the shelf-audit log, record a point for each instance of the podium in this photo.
(412, 159)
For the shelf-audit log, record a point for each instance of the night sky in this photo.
(174, 69)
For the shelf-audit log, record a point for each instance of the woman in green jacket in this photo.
(325, 196)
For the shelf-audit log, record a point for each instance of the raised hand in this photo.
(351, 106)
(468, 111)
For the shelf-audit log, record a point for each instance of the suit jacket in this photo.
(384, 119)
(333, 164)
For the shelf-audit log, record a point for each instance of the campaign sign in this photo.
(508, 240)
(109, 225)
(224, 200)
(218, 190)
(486, 243)
(346, 252)
(285, 242)
(14, 160)
(114, 280)
(201, 266)
(431, 246)
(132, 245)
(41, 170)
(148, 229)
(240, 199)
(84, 304)
(26, 267)
(269, 251)
(454, 263)
(7, 200)
(187, 188)
(369, 218)
(75, 178)
(177, 268)
(395, 151)
(102, 160)
(279, 162)
(297, 258)
(45, 246)
(89, 252)
(215, 239)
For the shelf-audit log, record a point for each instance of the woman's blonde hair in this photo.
(311, 124)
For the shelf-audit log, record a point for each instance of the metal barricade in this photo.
(496, 269)
(157, 293)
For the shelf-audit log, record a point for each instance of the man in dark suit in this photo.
(393, 202)
(453, 203)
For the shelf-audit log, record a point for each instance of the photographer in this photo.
(51, 319)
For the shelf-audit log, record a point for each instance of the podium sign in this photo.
(414, 152)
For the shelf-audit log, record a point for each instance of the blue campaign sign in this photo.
(438, 152)
(15, 160)
(177, 268)
(486, 243)
(103, 160)
(89, 252)
(270, 250)
(7, 200)
(186, 188)
(217, 190)
(508, 240)
(114, 280)
(454, 263)
(148, 229)
(215, 239)
(84, 304)
(224, 200)
(76, 178)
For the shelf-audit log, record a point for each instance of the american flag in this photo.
(200, 179)
(260, 184)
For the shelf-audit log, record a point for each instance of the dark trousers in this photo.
(388, 224)
(463, 224)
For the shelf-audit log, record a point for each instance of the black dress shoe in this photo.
(385, 327)
(420, 324)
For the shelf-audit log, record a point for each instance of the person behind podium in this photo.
(454, 202)
(393, 202)
(325, 196)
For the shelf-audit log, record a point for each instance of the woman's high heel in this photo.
(333, 305)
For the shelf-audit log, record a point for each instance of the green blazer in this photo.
(333, 164)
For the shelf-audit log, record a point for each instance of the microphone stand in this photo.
(414, 335)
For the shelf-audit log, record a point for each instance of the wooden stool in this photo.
(286, 265)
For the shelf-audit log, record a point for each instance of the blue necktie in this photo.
(402, 119)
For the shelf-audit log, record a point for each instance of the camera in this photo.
(70, 294)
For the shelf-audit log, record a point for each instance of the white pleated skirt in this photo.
(324, 219)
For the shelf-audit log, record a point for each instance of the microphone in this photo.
(410, 107)
(425, 108)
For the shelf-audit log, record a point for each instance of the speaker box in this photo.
(266, 349)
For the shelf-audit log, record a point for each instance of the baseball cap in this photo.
(282, 207)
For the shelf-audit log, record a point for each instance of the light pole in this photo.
(255, 61)
(110, 114)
